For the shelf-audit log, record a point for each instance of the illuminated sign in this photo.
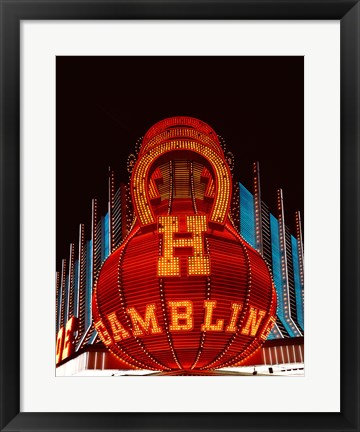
(65, 340)
(181, 313)
(184, 290)
(198, 262)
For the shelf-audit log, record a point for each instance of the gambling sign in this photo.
(184, 290)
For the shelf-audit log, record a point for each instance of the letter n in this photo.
(253, 322)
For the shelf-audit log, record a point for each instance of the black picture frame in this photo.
(12, 12)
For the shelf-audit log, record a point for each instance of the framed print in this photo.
(179, 206)
(186, 340)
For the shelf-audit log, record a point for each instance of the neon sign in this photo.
(198, 262)
(183, 290)
(182, 319)
(65, 340)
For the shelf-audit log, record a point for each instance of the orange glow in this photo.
(66, 339)
(236, 307)
(59, 344)
(267, 328)
(183, 290)
(198, 262)
(253, 322)
(103, 333)
(177, 316)
(141, 326)
(118, 331)
(209, 306)
(139, 179)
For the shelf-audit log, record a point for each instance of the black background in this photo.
(104, 104)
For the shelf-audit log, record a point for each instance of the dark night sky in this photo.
(104, 104)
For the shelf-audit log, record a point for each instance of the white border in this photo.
(319, 42)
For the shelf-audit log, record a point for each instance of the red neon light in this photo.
(192, 316)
